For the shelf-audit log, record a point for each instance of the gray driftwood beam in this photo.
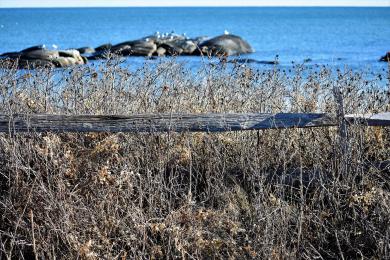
(212, 122)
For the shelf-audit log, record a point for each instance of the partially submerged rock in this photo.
(42, 54)
(386, 57)
(227, 45)
(174, 44)
(182, 47)
(154, 45)
(39, 56)
(143, 48)
(140, 47)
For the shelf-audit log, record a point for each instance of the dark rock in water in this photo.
(125, 50)
(42, 54)
(171, 48)
(143, 48)
(176, 45)
(34, 48)
(86, 50)
(129, 48)
(42, 57)
(103, 47)
(10, 55)
(15, 55)
(225, 45)
(187, 46)
(173, 44)
(243, 61)
(136, 48)
(157, 45)
(101, 52)
(307, 60)
(121, 49)
(386, 57)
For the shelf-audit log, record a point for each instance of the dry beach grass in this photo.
(273, 194)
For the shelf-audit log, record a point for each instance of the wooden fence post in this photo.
(343, 131)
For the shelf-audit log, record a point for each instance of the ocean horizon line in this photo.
(199, 6)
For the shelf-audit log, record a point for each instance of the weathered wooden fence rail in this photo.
(212, 122)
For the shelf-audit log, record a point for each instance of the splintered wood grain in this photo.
(211, 122)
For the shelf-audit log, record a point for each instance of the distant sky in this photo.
(86, 3)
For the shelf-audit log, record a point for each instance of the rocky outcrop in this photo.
(174, 44)
(69, 58)
(227, 45)
(153, 45)
(142, 47)
(181, 47)
(39, 56)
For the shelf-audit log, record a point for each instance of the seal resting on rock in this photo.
(226, 44)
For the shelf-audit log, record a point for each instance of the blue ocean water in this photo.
(355, 37)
